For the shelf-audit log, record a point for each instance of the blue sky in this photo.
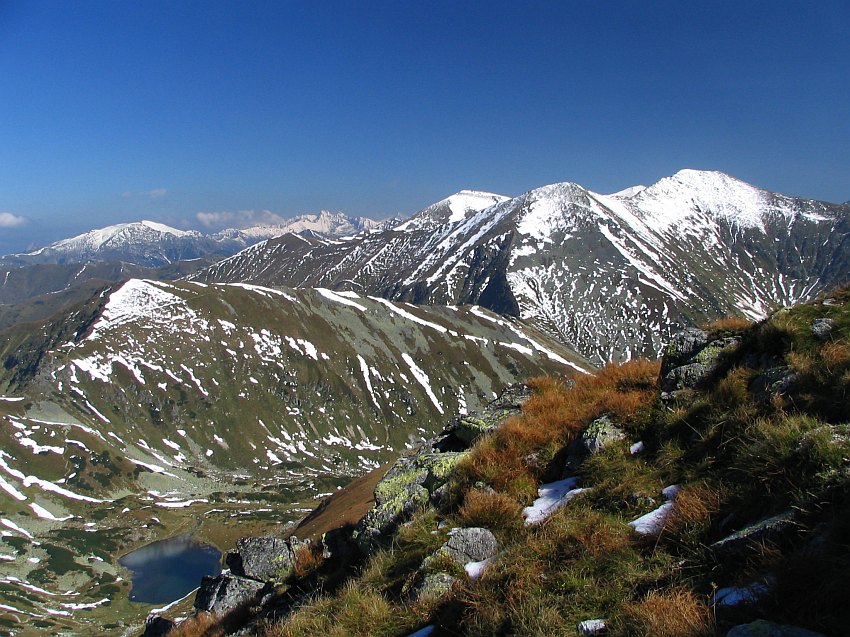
(120, 110)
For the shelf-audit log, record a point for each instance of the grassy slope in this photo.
(739, 456)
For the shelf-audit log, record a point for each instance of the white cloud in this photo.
(240, 219)
(156, 193)
(10, 220)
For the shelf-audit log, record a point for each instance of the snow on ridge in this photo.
(423, 380)
(461, 203)
(137, 298)
(333, 296)
(548, 209)
(411, 317)
(164, 229)
(459, 206)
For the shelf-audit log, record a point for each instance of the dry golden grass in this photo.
(836, 356)
(356, 611)
(307, 559)
(493, 510)
(693, 509)
(201, 625)
(581, 532)
(670, 613)
(553, 416)
(729, 324)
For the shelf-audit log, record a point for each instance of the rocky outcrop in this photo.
(465, 545)
(225, 592)
(264, 558)
(690, 358)
(463, 431)
(421, 477)
(157, 626)
(431, 586)
(822, 328)
(599, 434)
(755, 534)
(411, 483)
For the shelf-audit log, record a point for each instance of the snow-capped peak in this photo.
(94, 240)
(688, 192)
(466, 201)
(453, 209)
(161, 227)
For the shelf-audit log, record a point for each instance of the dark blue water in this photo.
(169, 569)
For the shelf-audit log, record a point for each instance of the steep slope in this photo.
(610, 275)
(157, 405)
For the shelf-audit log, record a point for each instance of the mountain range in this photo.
(611, 275)
(39, 283)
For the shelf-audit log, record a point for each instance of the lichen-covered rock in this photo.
(264, 558)
(762, 628)
(461, 432)
(681, 348)
(512, 397)
(773, 381)
(469, 428)
(473, 544)
(690, 358)
(408, 485)
(599, 434)
(822, 328)
(223, 593)
(431, 586)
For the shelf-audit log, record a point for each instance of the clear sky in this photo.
(119, 110)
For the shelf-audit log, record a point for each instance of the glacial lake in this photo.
(167, 570)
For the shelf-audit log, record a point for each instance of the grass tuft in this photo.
(668, 613)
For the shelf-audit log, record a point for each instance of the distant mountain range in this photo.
(151, 244)
(611, 275)
(36, 284)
